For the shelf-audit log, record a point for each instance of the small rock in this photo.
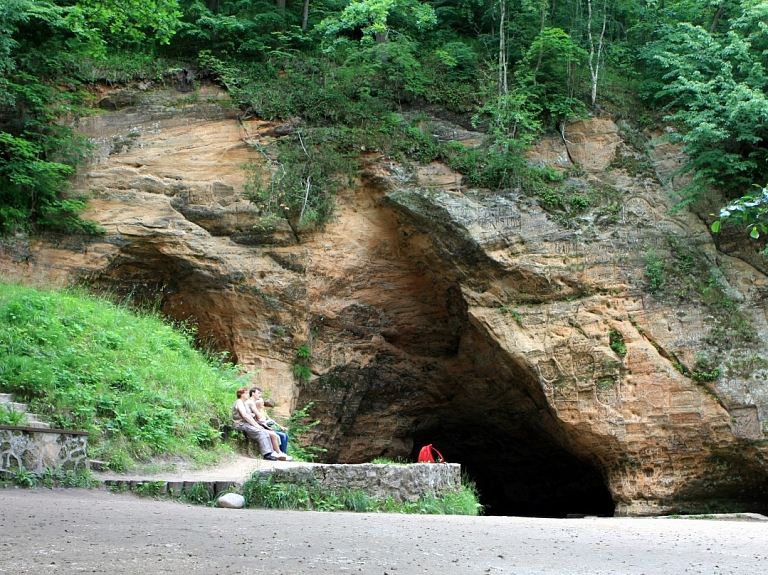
(231, 501)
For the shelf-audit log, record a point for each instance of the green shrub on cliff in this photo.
(135, 383)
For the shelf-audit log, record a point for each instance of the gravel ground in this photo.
(92, 531)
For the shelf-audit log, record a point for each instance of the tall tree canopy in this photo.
(518, 67)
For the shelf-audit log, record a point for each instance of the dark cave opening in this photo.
(521, 472)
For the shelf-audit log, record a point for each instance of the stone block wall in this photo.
(401, 482)
(36, 449)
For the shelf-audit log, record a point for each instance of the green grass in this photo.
(263, 492)
(10, 417)
(52, 477)
(134, 382)
(388, 461)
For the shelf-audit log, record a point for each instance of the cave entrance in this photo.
(521, 471)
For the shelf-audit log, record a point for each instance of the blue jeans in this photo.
(283, 437)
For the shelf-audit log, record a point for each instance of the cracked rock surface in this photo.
(529, 346)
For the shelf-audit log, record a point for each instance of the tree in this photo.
(128, 21)
(595, 57)
(545, 72)
(716, 88)
(374, 19)
(37, 153)
(11, 13)
(305, 16)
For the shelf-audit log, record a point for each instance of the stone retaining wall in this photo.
(35, 449)
(401, 482)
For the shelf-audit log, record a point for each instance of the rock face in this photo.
(609, 359)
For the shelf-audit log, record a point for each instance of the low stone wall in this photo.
(36, 449)
(401, 482)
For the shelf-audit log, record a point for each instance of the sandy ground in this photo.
(93, 531)
(238, 468)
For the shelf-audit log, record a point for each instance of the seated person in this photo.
(254, 395)
(272, 424)
(242, 420)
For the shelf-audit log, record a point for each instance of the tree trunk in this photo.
(716, 17)
(305, 16)
(594, 59)
(542, 24)
(503, 64)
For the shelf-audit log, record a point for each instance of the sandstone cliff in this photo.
(606, 358)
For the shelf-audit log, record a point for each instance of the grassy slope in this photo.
(131, 380)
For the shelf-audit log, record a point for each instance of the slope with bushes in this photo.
(135, 383)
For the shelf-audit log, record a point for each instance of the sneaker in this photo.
(270, 456)
(282, 457)
(288, 458)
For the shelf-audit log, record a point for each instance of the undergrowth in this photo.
(50, 478)
(264, 492)
(135, 383)
(328, 126)
(297, 425)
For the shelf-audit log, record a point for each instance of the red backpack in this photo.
(427, 455)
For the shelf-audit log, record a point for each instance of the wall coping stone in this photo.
(43, 430)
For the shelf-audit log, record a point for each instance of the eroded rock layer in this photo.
(603, 358)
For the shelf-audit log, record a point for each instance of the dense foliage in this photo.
(46, 52)
(351, 70)
(135, 383)
(716, 88)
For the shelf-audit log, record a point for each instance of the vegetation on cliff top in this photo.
(351, 68)
(135, 383)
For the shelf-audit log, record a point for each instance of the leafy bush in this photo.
(260, 491)
(304, 352)
(51, 477)
(616, 342)
(715, 87)
(302, 372)
(705, 368)
(197, 493)
(654, 271)
(24, 478)
(298, 425)
(300, 184)
(150, 488)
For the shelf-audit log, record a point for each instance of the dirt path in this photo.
(238, 468)
(82, 531)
